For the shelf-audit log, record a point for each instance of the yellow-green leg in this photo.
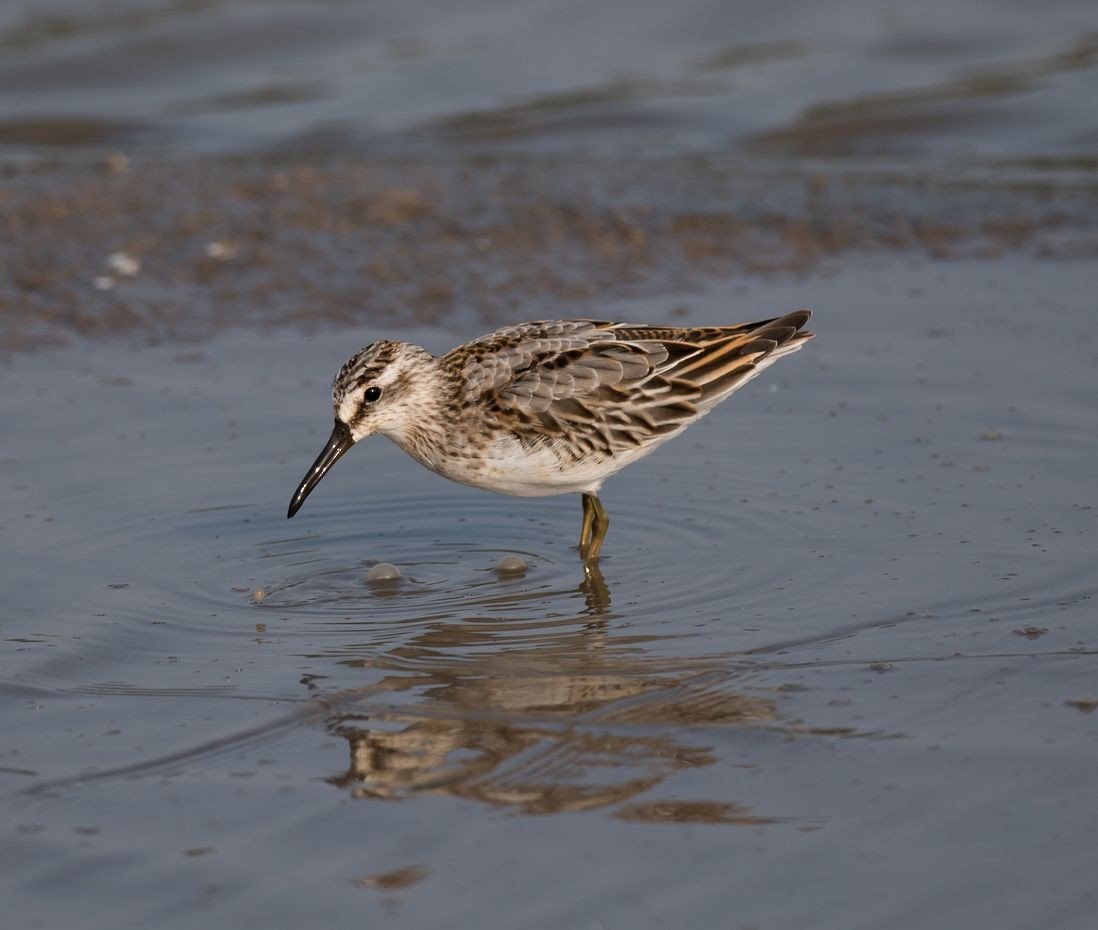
(593, 530)
(588, 520)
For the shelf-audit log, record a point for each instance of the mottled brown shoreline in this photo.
(202, 245)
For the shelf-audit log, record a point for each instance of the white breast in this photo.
(508, 467)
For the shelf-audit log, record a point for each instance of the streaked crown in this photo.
(377, 389)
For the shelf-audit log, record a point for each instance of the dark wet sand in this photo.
(396, 243)
(837, 668)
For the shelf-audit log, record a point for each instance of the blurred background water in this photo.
(847, 78)
(837, 666)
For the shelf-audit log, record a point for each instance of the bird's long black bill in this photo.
(338, 443)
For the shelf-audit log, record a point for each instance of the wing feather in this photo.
(593, 388)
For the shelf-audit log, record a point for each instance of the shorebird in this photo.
(550, 407)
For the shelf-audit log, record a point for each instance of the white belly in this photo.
(508, 467)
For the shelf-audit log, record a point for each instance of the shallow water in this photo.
(835, 639)
(837, 665)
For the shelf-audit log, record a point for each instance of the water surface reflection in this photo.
(581, 718)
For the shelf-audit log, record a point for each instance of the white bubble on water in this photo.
(510, 565)
(382, 572)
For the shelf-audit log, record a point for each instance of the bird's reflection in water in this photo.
(594, 589)
(565, 716)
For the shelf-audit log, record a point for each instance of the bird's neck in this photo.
(427, 415)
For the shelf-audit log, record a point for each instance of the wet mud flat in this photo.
(836, 667)
(172, 250)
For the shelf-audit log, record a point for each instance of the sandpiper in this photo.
(550, 407)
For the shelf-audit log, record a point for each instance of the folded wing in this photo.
(592, 388)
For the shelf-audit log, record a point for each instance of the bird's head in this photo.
(378, 390)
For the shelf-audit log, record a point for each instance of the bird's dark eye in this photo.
(372, 393)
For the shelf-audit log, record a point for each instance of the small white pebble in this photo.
(124, 264)
(222, 251)
(383, 571)
(117, 163)
(103, 282)
(510, 565)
